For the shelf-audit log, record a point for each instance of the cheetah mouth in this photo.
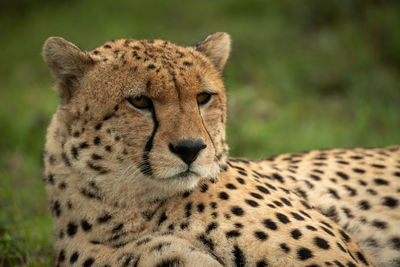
(183, 175)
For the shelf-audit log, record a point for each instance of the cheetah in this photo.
(137, 170)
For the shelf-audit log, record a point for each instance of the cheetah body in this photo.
(123, 194)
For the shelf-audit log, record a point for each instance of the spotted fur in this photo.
(122, 192)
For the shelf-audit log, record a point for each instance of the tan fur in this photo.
(117, 200)
(358, 188)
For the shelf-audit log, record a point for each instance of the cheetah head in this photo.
(138, 118)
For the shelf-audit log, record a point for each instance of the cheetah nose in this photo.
(188, 150)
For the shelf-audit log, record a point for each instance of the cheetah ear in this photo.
(216, 47)
(67, 64)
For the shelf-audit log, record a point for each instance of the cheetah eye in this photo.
(140, 102)
(203, 98)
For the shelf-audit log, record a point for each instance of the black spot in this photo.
(169, 263)
(188, 209)
(296, 234)
(56, 208)
(263, 189)
(378, 166)
(88, 262)
(71, 229)
(233, 233)
(211, 227)
(358, 170)
(361, 257)
(321, 243)
(348, 212)
(186, 194)
(223, 196)
(350, 264)
(65, 159)
(305, 204)
(238, 257)
(287, 202)
(326, 224)
(327, 231)
(284, 247)
(261, 235)
(390, 202)
(297, 216)
(396, 243)
(351, 190)
(372, 192)
(251, 203)
(203, 188)
(83, 145)
(106, 217)
(255, 195)
(151, 66)
(99, 169)
(240, 180)
(50, 178)
(304, 254)
(305, 214)
(98, 126)
(213, 205)
(315, 177)
(339, 264)
(74, 257)
(312, 228)
(262, 264)
(379, 224)
(363, 183)
(270, 186)
(380, 181)
(343, 175)
(74, 152)
(278, 177)
(270, 224)
(343, 162)
(117, 228)
(340, 247)
(282, 218)
(242, 173)
(61, 256)
(184, 226)
(364, 205)
(143, 241)
(163, 217)
(187, 63)
(208, 242)
(200, 207)
(107, 117)
(230, 186)
(345, 236)
(238, 211)
(86, 226)
(96, 156)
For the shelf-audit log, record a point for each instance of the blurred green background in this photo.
(302, 75)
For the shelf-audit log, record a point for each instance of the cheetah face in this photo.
(146, 117)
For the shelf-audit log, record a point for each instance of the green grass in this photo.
(302, 75)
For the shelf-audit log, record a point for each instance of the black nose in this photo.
(187, 150)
